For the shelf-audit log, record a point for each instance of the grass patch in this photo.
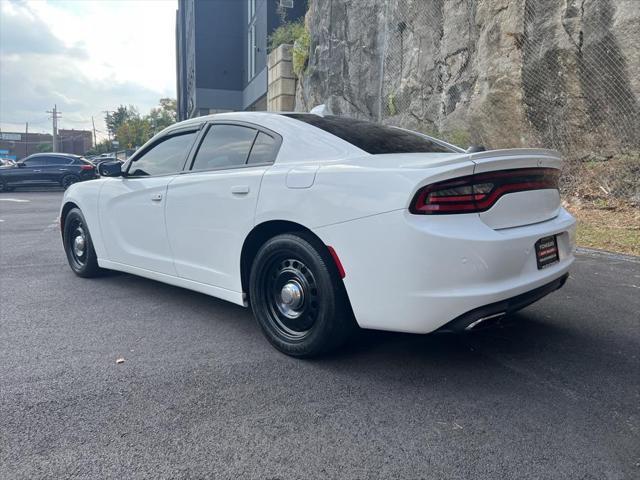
(615, 228)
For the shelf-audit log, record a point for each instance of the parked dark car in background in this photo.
(42, 169)
(98, 160)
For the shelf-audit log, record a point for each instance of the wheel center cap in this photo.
(78, 245)
(292, 295)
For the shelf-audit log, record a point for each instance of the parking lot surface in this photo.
(554, 394)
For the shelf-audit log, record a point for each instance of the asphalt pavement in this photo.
(201, 394)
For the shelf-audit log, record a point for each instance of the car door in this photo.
(132, 207)
(210, 209)
(55, 167)
(29, 173)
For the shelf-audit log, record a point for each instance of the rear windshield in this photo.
(371, 137)
(81, 161)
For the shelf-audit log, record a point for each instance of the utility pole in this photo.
(26, 140)
(95, 143)
(55, 115)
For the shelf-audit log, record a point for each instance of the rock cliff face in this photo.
(556, 73)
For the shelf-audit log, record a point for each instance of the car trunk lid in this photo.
(525, 207)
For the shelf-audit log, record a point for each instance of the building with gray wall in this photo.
(221, 52)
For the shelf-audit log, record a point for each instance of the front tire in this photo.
(4, 187)
(297, 296)
(78, 245)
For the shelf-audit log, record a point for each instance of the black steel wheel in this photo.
(69, 180)
(297, 297)
(78, 246)
(292, 296)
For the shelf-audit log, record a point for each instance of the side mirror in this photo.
(21, 164)
(110, 169)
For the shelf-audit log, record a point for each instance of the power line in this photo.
(35, 122)
(77, 121)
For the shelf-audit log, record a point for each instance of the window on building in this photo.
(251, 10)
(251, 54)
(165, 157)
(251, 39)
(224, 146)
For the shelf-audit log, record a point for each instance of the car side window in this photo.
(51, 161)
(168, 156)
(34, 162)
(224, 146)
(264, 149)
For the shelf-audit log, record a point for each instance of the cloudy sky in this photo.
(86, 56)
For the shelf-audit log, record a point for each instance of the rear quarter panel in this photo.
(346, 190)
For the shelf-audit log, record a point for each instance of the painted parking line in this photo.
(17, 200)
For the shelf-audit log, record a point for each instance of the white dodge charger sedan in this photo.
(324, 223)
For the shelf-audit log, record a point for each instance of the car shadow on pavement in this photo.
(521, 336)
(532, 335)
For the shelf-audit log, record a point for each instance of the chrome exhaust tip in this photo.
(473, 325)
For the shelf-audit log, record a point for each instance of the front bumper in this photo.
(415, 274)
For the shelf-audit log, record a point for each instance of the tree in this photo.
(44, 148)
(134, 132)
(131, 129)
(115, 120)
(161, 117)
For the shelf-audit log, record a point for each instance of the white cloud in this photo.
(86, 56)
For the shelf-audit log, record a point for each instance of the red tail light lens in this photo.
(86, 167)
(478, 193)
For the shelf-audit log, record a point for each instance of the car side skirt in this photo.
(234, 297)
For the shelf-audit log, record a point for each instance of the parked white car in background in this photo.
(320, 223)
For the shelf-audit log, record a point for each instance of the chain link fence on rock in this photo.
(499, 73)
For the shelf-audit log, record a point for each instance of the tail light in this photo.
(86, 167)
(477, 193)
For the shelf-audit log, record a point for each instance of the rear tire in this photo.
(297, 296)
(78, 246)
(69, 180)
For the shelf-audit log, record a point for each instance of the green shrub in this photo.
(391, 104)
(287, 33)
(300, 53)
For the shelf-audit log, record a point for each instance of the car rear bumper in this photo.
(415, 274)
(481, 316)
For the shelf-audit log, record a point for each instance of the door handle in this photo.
(37, 171)
(157, 197)
(240, 189)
